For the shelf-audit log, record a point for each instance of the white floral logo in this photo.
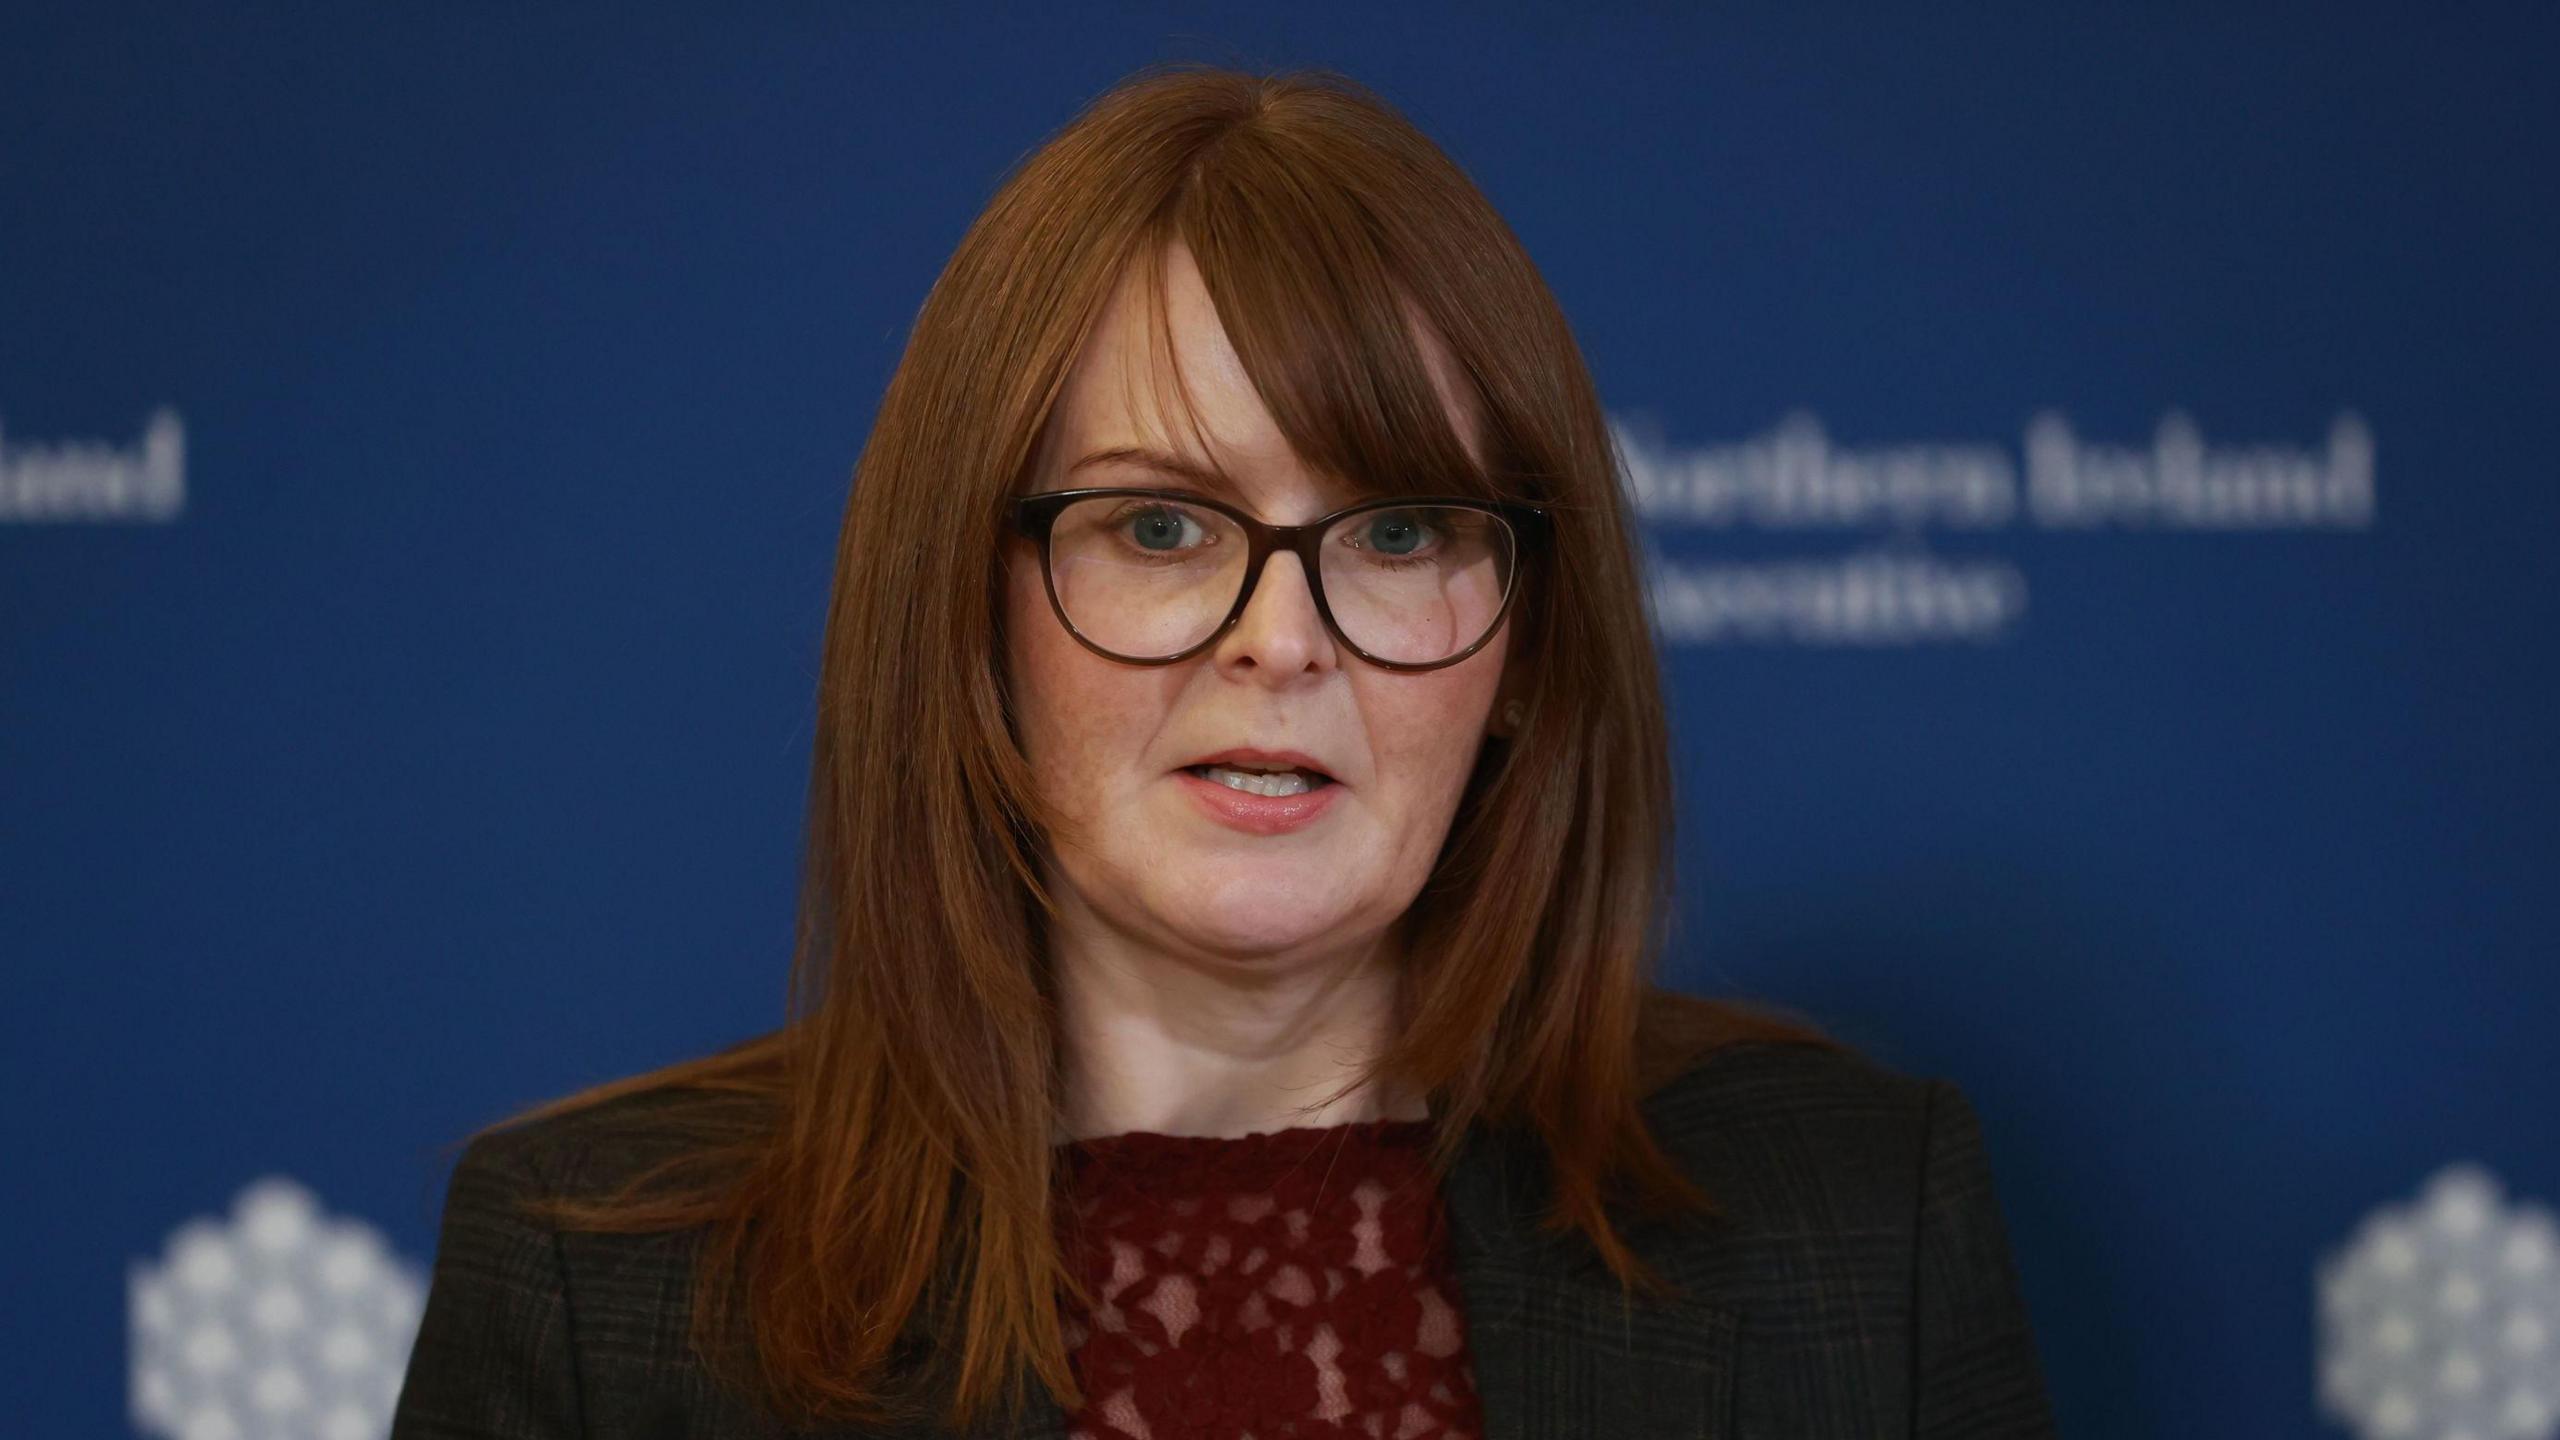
(282, 1324)
(2441, 1319)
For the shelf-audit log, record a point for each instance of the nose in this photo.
(1280, 633)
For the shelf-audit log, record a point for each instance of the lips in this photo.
(1257, 814)
(1247, 757)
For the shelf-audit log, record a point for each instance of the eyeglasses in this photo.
(1149, 577)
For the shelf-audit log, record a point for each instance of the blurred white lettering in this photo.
(92, 481)
(2182, 483)
(1795, 479)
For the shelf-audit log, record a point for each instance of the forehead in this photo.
(1121, 416)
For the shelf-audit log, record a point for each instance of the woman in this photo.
(1237, 851)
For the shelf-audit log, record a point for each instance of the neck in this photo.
(1199, 1045)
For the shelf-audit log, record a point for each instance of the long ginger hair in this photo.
(888, 1152)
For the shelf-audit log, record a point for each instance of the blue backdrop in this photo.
(2100, 474)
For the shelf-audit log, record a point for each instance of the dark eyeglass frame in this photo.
(1033, 516)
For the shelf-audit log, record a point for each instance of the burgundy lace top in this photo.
(1288, 1283)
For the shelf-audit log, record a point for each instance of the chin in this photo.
(1249, 910)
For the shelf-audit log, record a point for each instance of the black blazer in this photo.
(1859, 1285)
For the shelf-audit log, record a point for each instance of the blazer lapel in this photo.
(1559, 1352)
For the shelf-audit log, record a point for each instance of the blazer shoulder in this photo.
(634, 1146)
(1793, 1131)
(598, 1148)
(534, 1330)
(1761, 1082)
(1735, 1060)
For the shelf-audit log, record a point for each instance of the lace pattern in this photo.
(1285, 1284)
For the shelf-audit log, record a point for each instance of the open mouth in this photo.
(1275, 784)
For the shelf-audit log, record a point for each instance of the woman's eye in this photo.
(1158, 527)
(1394, 533)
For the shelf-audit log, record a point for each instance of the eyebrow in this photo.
(1205, 476)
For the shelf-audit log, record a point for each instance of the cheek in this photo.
(1080, 717)
(1428, 732)
(1040, 676)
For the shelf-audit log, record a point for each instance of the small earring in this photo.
(1513, 712)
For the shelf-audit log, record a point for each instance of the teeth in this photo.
(1286, 782)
